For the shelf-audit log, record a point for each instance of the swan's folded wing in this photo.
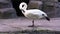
(34, 16)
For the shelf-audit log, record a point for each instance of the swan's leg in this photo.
(32, 24)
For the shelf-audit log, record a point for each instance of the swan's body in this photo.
(32, 13)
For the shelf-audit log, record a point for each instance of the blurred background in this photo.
(10, 8)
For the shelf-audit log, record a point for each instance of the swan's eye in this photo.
(42, 14)
(22, 5)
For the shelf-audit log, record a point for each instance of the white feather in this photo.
(32, 13)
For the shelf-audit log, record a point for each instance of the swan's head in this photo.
(23, 6)
(45, 15)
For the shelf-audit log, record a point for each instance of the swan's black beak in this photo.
(47, 18)
(22, 10)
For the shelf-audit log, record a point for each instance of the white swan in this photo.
(32, 13)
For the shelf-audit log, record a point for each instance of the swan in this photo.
(32, 13)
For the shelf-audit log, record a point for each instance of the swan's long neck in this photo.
(23, 7)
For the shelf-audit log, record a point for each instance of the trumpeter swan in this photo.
(32, 13)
